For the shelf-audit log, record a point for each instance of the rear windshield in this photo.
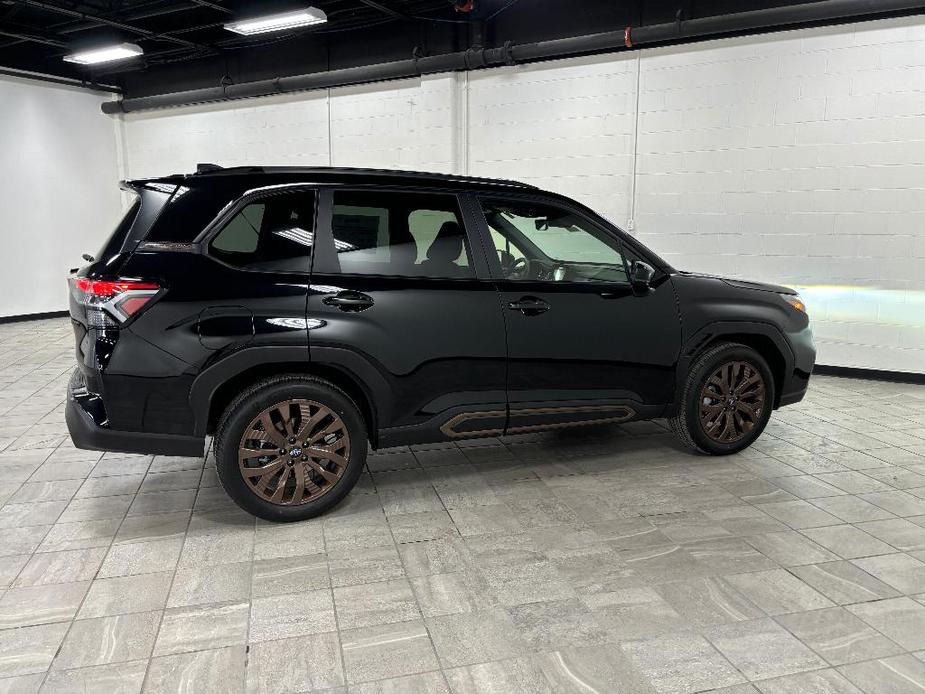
(148, 201)
(190, 210)
(114, 243)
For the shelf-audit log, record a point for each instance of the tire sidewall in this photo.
(698, 378)
(243, 412)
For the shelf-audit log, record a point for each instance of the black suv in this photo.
(297, 313)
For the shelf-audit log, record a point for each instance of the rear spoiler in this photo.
(159, 185)
(163, 183)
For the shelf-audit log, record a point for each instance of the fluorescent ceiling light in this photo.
(278, 22)
(106, 54)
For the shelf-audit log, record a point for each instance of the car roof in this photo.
(259, 175)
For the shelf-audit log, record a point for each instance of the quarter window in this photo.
(403, 234)
(544, 242)
(272, 233)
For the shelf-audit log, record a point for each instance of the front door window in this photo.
(544, 242)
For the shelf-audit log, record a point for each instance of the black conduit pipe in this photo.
(67, 81)
(509, 54)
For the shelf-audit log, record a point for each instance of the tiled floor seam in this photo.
(77, 612)
(160, 623)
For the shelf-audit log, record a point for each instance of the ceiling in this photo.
(186, 47)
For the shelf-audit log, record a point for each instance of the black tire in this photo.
(687, 424)
(265, 394)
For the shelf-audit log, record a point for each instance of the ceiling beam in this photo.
(75, 27)
(153, 35)
(387, 10)
(211, 6)
(33, 38)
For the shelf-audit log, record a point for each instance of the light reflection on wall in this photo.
(867, 327)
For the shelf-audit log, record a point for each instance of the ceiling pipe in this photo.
(67, 81)
(509, 54)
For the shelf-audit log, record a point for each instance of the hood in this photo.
(744, 284)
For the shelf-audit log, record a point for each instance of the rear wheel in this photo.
(726, 400)
(290, 448)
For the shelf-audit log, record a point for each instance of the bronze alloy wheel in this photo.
(294, 452)
(731, 401)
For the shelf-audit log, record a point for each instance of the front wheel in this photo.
(290, 448)
(726, 400)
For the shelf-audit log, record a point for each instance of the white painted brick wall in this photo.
(796, 157)
(565, 126)
(284, 130)
(58, 198)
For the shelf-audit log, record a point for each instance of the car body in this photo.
(440, 306)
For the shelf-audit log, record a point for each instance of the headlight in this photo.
(795, 301)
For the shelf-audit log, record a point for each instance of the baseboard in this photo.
(869, 374)
(33, 316)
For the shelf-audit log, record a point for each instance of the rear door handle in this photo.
(529, 306)
(349, 301)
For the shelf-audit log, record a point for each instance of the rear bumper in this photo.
(88, 427)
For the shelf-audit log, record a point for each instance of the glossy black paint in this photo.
(426, 359)
(438, 344)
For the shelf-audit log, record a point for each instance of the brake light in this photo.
(111, 302)
(109, 288)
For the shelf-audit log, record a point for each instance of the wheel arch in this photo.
(216, 387)
(764, 338)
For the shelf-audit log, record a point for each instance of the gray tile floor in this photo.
(599, 560)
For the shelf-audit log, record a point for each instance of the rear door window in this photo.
(400, 234)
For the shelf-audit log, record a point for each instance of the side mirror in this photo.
(641, 275)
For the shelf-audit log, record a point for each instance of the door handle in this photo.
(349, 301)
(529, 306)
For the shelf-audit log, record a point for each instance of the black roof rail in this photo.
(209, 170)
(402, 173)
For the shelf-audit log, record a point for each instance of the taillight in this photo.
(111, 302)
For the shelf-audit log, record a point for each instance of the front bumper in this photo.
(795, 389)
(89, 429)
(804, 359)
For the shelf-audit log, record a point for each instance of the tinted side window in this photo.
(402, 234)
(271, 233)
(545, 242)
